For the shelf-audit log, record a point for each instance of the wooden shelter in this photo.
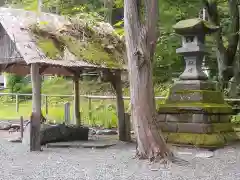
(43, 43)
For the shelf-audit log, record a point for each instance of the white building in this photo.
(3, 81)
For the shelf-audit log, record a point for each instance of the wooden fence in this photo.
(88, 97)
(45, 102)
(46, 96)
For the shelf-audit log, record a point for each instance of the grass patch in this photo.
(103, 112)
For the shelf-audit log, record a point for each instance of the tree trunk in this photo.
(108, 5)
(235, 81)
(225, 55)
(223, 70)
(140, 44)
(39, 6)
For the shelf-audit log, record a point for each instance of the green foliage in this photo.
(167, 63)
(65, 7)
(48, 47)
(15, 83)
(92, 52)
(166, 60)
(236, 119)
(118, 3)
(119, 28)
(26, 89)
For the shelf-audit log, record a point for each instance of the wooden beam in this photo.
(73, 71)
(76, 99)
(35, 123)
(8, 66)
(124, 131)
(42, 69)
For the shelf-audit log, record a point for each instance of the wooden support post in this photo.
(122, 127)
(21, 127)
(67, 113)
(76, 100)
(127, 127)
(35, 123)
(90, 112)
(17, 103)
(46, 104)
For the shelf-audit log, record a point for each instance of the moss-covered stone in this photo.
(196, 127)
(194, 106)
(222, 127)
(201, 140)
(194, 25)
(205, 101)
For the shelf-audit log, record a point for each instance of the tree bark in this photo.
(39, 5)
(235, 81)
(140, 44)
(108, 4)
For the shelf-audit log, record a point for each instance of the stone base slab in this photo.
(195, 108)
(203, 96)
(194, 85)
(214, 140)
(194, 91)
(194, 118)
(195, 127)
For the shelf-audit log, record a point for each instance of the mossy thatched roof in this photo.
(77, 41)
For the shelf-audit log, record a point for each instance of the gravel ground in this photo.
(115, 163)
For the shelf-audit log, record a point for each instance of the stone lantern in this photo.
(194, 112)
(193, 33)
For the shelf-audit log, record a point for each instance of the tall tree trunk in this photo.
(108, 4)
(235, 81)
(39, 5)
(225, 55)
(140, 43)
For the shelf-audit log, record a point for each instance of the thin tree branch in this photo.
(234, 37)
(211, 7)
